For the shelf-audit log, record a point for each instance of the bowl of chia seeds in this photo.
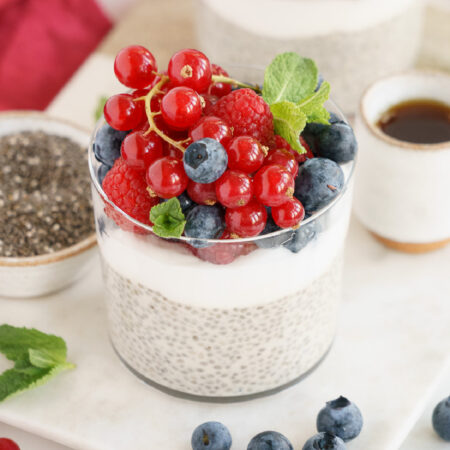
(47, 231)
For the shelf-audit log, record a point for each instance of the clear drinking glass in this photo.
(230, 320)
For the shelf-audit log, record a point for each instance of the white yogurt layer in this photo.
(258, 278)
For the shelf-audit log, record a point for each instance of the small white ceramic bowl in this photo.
(39, 275)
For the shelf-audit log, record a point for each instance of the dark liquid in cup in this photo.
(421, 121)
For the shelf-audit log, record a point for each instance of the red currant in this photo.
(135, 67)
(170, 150)
(234, 189)
(202, 193)
(273, 185)
(8, 444)
(284, 158)
(248, 220)
(220, 89)
(212, 127)
(210, 101)
(166, 177)
(300, 158)
(245, 153)
(190, 68)
(122, 112)
(289, 214)
(177, 135)
(181, 108)
(304, 156)
(140, 151)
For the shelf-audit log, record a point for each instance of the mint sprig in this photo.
(289, 88)
(37, 357)
(168, 219)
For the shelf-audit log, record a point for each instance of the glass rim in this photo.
(188, 240)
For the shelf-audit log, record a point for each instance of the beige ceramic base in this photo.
(408, 247)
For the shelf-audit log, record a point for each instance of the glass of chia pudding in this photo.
(247, 307)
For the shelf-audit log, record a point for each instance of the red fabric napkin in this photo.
(42, 43)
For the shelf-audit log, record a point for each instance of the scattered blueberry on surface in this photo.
(211, 436)
(324, 441)
(101, 172)
(302, 237)
(319, 181)
(107, 144)
(204, 222)
(441, 419)
(340, 417)
(205, 160)
(270, 440)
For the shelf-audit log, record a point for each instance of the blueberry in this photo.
(441, 419)
(107, 144)
(185, 202)
(205, 160)
(334, 118)
(324, 441)
(269, 440)
(101, 172)
(211, 436)
(204, 222)
(340, 417)
(272, 241)
(302, 237)
(319, 181)
(335, 141)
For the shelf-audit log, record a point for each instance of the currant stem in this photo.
(228, 80)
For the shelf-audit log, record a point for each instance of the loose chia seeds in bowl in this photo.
(221, 283)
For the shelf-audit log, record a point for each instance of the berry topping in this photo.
(204, 222)
(181, 108)
(269, 440)
(441, 419)
(135, 67)
(107, 144)
(280, 142)
(289, 214)
(202, 193)
(8, 444)
(246, 221)
(284, 158)
(211, 127)
(273, 185)
(219, 89)
(205, 160)
(247, 113)
(140, 150)
(126, 188)
(319, 181)
(166, 177)
(324, 441)
(234, 189)
(340, 417)
(190, 68)
(245, 153)
(210, 101)
(122, 112)
(211, 436)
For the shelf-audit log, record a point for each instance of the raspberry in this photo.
(127, 189)
(247, 113)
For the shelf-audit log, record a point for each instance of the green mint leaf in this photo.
(312, 106)
(289, 77)
(168, 219)
(37, 356)
(289, 121)
(99, 108)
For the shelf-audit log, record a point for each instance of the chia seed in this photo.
(45, 203)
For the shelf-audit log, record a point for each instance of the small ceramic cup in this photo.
(402, 192)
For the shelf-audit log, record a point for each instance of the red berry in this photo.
(234, 189)
(181, 108)
(273, 185)
(280, 142)
(122, 112)
(247, 113)
(284, 158)
(289, 214)
(219, 89)
(212, 127)
(8, 444)
(135, 67)
(177, 135)
(166, 177)
(248, 220)
(308, 155)
(170, 150)
(140, 151)
(202, 193)
(245, 153)
(127, 189)
(190, 68)
(210, 101)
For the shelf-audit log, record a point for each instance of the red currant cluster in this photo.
(191, 101)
